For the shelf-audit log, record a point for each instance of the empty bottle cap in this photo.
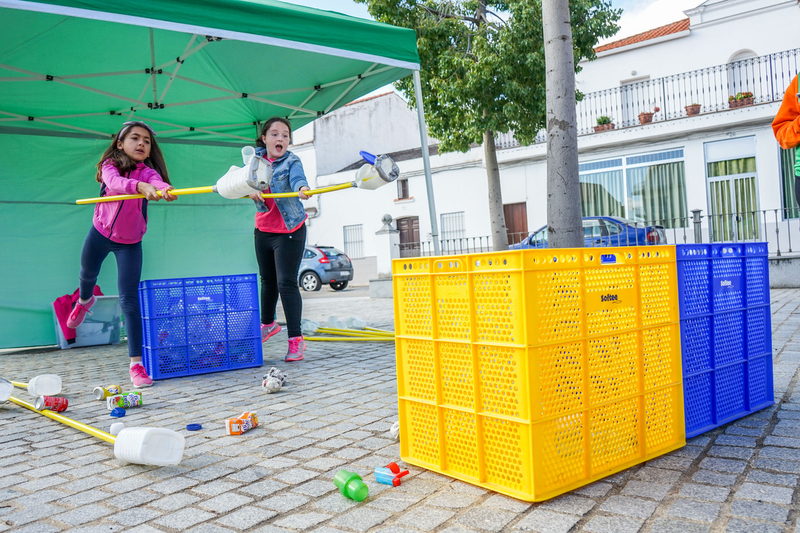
(368, 157)
(118, 412)
(194, 427)
(116, 427)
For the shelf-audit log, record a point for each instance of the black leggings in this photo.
(279, 256)
(96, 248)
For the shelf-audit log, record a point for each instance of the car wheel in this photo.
(310, 282)
(338, 285)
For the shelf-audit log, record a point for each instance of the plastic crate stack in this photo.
(726, 332)
(200, 325)
(534, 372)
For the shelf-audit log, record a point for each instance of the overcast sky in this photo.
(637, 15)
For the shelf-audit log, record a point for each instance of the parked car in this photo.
(603, 231)
(324, 265)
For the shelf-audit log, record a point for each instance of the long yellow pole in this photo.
(378, 330)
(201, 190)
(102, 435)
(353, 332)
(350, 339)
(20, 384)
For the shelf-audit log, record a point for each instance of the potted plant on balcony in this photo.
(603, 124)
(740, 100)
(646, 117)
(692, 109)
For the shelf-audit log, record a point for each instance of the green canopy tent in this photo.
(205, 75)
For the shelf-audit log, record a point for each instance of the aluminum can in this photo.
(244, 422)
(101, 393)
(53, 403)
(126, 401)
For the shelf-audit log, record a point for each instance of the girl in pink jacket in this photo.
(133, 164)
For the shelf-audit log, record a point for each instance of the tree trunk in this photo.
(564, 226)
(496, 216)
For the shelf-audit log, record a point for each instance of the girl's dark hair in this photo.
(269, 123)
(124, 163)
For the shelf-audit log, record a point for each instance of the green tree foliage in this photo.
(482, 61)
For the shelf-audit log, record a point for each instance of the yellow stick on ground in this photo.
(350, 339)
(379, 330)
(102, 435)
(210, 188)
(20, 384)
(351, 332)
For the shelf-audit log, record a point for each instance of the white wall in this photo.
(762, 26)
(377, 125)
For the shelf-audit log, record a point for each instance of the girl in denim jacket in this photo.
(280, 235)
(133, 164)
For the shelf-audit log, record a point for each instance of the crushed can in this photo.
(126, 401)
(51, 403)
(244, 422)
(101, 393)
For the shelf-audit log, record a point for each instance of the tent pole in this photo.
(426, 162)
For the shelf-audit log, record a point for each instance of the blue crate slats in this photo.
(200, 325)
(725, 332)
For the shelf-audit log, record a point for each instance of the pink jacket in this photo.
(125, 221)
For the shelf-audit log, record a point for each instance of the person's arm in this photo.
(115, 183)
(297, 179)
(786, 125)
(151, 177)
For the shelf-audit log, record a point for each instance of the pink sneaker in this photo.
(268, 330)
(296, 348)
(139, 376)
(78, 313)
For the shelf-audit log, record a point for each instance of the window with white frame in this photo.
(453, 226)
(649, 188)
(354, 241)
(732, 185)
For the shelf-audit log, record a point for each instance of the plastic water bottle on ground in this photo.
(308, 327)
(149, 446)
(44, 385)
(6, 390)
(355, 323)
(335, 323)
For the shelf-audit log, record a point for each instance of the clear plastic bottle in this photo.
(355, 323)
(44, 385)
(6, 390)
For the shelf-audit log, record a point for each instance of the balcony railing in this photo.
(773, 226)
(765, 76)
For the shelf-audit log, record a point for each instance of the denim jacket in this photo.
(287, 176)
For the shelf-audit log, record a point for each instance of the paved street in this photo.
(335, 412)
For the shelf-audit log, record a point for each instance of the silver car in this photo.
(324, 265)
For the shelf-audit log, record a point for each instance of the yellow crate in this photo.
(535, 372)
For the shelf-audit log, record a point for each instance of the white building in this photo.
(723, 161)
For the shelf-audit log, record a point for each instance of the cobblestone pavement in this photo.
(335, 412)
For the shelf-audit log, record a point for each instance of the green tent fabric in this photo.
(204, 75)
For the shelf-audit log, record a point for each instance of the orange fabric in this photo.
(786, 125)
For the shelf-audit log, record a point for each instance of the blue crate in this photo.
(726, 337)
(200, 325)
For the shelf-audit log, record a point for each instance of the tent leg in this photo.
(426, 162)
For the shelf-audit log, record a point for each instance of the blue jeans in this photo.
(96, 248)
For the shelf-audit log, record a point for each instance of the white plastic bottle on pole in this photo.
(44, 385)
(6, 390)
(149, 446)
